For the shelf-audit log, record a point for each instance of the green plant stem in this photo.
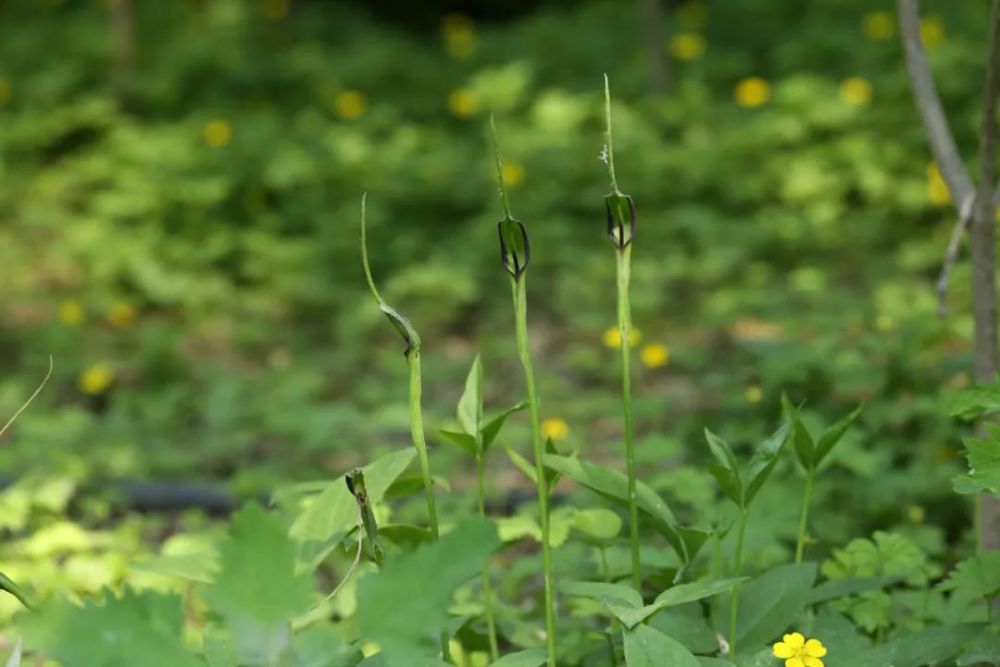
(420, 444)
(606, 575)
(737, 570)
(806, 498)
(524, 352)
(491, 625)
(624, 257)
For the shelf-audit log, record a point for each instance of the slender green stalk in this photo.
(737, 570)
(806, 498)
(623, 255)
(606, 575)
(491, 625)
(523, 351)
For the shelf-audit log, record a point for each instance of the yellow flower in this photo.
(932, 31)
(513, 174)
(6, 91)
(217, 133)
(463, 102)
(121, 315)
(687, 46)
(879, 26)
(96, 379)
(655, 355)
(71, 313)
(350, 104)
(937, 189)
(796, 651)
(856, 91)
(752, 92)
(459, 36)
(612, 337)
(754, 394)
(555, 428)
(274, 10)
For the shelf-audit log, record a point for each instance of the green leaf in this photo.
(972, 403)
(978, 576)
(983, 455)
(257, 590)
(599, 523)
(470, 405)
(696, 590)
(771, 602)
(931, 646)
(834, 434)
(729, 481)
(403, 606)
(838, 588)
(8, 584)
(465, 441)
(192, 567)
(335, 512)
(530, 658)
(646, 647)
(762, 463)
(602, 591)
(984, 650)
(140, 629)
(492, 427)
(521, 463)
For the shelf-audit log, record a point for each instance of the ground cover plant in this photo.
(774, 464)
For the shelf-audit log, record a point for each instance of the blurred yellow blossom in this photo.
(796, 651)
(71, 313)
(884, 323)
(463, 102)
(752, 92)
(6, 91)
(217, 133)
(937, 189)
(274, 9)
(612, 337)
(459, 36)
(687, 46)
(513, 174)
(856, 91)
(879, 26)
(932, 31)
(96, 379)
(654, 355)
(555, 428)
(121, 315)
(915, 513)
(754, 394)
(350, 104)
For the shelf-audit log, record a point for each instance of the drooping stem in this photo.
(624, 257)
(737, 570)
(491, 625)
(806, 498)
(524, 352)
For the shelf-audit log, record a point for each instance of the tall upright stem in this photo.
(491, 625)
(524, 352)
(737, 570)
(806, 498)
(624, 257)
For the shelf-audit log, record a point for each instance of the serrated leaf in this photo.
(492, 427)
(978, 576)
(470, 405)
(976, 401)
(646, 647)
(257, 590)
(983, 455)
(833, 435)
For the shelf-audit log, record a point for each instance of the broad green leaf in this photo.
(413, 484)
(492, 427)
(599, 523)
(403, 606)
(193, 567)
(771, 602)
(714, 662)
(838, 588)
(984, 650)
(470, 405)
(762, 463)
(722, 452)
(833, 435)
(601, 591)
(137, 629)
(646, 647)
(323, 645)
(405, 535)
(931, 646)
(729, 481)
(978, 576)
(257, 590)
(334, 511)
(687, 625)
(531, 658)
(697, 590)
(465, 441)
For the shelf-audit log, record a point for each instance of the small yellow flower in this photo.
(612, 337)
(879, 26)
(796, 651)
(96, 379)
(937, 189)
(687, 46)
(459, 36)
(6, 91)
(752, 92)
(932, 31)
(217, 133)
(754, 394)
(513, 174)
(71, 313)
(856, 91)
(555, 428)
(350, 104)
(463, 102)
(121, 315)
(884, 323)
(655, 355)
(274, 10)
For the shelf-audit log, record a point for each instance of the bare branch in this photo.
(950, 258)
(928, 103)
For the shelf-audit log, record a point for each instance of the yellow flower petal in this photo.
(812, 662)
(655, 355)
(794, 662)
(555, 428)
(782, 650)
(815, 648)
(795, 640)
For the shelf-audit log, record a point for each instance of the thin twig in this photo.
(30, 399)
(951, 257)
